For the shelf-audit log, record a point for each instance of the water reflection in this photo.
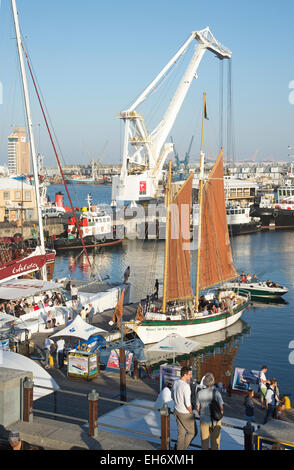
(216, 353)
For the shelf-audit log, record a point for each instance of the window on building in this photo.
(6, 195)
(17, 195)
(29, 214)
(28, 196)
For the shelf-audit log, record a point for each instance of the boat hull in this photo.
(73, 244)
(272, 218)
(153, 331)
(256, 291)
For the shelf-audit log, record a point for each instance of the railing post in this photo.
(28, 387)
(122, 367)
(165, 427)
(248, 436)
(93, 398)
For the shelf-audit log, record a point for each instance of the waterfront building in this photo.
(17, 201)
(18, 153)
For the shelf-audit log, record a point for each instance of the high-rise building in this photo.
(19, 153)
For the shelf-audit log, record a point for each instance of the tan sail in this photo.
(179, 267)
(118, 311)
(215, 249)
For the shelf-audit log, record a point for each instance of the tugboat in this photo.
(96, 228)
(279, 215)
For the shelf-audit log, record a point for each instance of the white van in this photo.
(53, 212)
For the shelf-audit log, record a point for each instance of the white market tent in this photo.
(23, 288)
(175, 344)
(11, 360)
(78, 328)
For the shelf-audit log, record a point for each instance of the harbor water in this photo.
(269, 254)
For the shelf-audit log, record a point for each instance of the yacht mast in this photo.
(30, 130)
(201, 182)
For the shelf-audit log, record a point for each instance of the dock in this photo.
(64, 434)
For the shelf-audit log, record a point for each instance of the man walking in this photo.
(271, 400)
(181, 394)
(262, 384)
(47, 346)
(210, 429)
(60, 352)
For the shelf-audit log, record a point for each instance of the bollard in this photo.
(165, 427)
(122, 368)
(28, 388)
(93, 398)
(248, 436)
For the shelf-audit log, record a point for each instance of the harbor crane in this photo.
(144, 153)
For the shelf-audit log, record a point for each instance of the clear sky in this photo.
(93, 58)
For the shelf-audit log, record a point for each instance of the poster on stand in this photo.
(245, 379)
(77, 365)
(169, 373)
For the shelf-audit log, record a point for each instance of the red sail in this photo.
(216, 263)
(179, 268)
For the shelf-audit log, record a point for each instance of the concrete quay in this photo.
(65, 434)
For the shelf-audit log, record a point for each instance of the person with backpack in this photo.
(209, 406)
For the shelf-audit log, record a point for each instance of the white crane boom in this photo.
(151, 150)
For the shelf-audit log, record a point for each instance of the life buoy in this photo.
(102, 229)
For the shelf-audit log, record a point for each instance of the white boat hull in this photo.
(153, 333)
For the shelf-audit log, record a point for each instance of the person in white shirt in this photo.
(74, 295)
(83, 314)
(47, 345)
(262, 384)
(181, 394)
(60, 352)
(271, 399)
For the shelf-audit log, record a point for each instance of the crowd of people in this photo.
(248, 279)
(187, 403)
(17, 308)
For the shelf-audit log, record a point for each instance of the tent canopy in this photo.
(11, 360)
(22, 288)
(78, 328)
(175, 343)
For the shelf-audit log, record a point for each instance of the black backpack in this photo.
(216, 413)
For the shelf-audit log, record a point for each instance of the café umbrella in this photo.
(175, 344)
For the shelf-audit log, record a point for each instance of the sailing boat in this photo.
(27, 261)
(181, 312)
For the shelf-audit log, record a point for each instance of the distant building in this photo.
(17, 201)
(19, 162)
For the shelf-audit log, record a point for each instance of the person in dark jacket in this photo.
(249, 406)
(16, 443)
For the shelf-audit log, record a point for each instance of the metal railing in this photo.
(93, 414)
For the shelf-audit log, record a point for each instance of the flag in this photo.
(205, 112)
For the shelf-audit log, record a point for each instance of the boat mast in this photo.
(30, 130)
(201, 181)
(167, 236)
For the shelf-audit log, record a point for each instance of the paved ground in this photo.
(67, 434)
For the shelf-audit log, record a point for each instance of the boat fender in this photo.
(287, 402)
